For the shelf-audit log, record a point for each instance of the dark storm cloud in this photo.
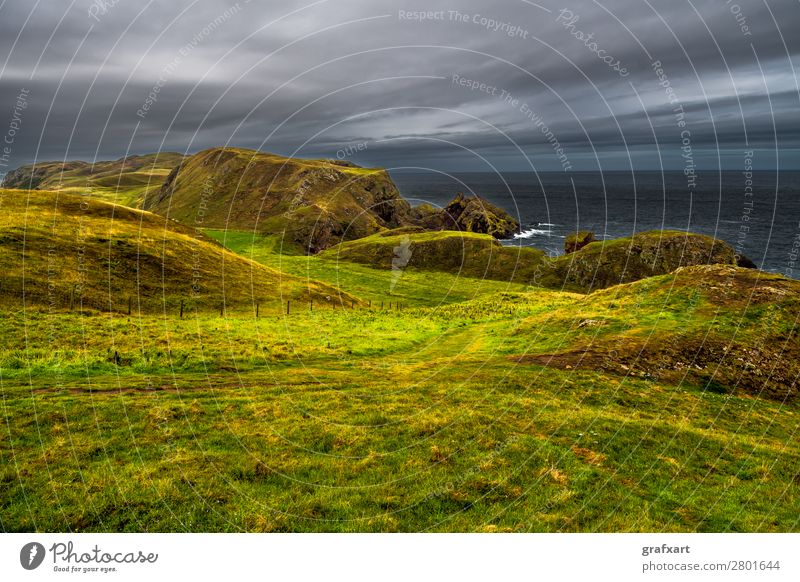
(108, 77)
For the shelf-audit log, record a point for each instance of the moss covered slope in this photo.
(606, 263)
(62, 250)
(725, 328)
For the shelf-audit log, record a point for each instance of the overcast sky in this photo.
(319, 78)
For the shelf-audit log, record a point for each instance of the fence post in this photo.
(181, 308)
(256, 310)
(287, 307)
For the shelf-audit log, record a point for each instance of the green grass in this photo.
(461, 253)
(410, 287)
(596, 266)
(129, 196)
(412, 420)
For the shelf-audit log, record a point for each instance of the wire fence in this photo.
(15, 295)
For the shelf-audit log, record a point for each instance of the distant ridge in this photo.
(124, 181)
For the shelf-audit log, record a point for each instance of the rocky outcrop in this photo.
(577, 240)
(467, 214)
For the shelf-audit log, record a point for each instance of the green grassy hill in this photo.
(313, 204)
(720, 327)
(381, 285)
(646, 254)
(125, 181)
(467, 254)
(67, 251)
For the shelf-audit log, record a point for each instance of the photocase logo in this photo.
(31, 555)
(402, 255)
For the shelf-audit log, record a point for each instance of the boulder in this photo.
(578, 240)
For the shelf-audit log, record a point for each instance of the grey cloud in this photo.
(225, 73)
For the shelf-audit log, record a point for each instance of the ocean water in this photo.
(764, 226)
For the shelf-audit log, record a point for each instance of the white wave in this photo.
(546, 224)
(531, 232)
